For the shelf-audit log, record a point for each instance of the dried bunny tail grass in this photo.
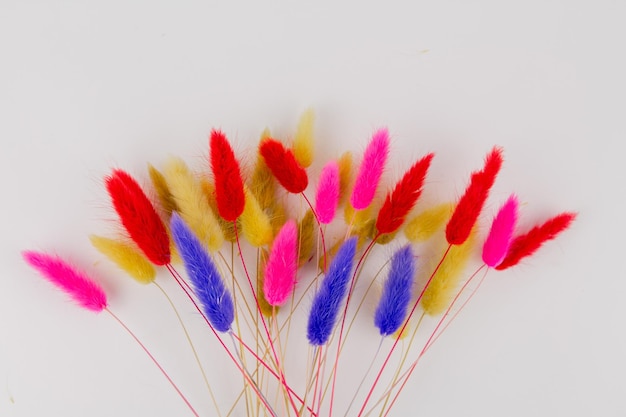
(281, 267)
(228, 228)
(471, 203)
(139, 217)
(384, 238)
(528, 243)
(126, 257)
(228, 183)
(266, 308)
(345, 175)
(439, 293)
(327, 195)
(500, 235)
(370, 170)
(168, 204)
(303, 140)
(284, 166)
(278, 216)
(262, 182)
(329, 297)
(81, 288)
(394, 301)
(306, 237)
(255, 223)
(423, 226)
(194, 207)
(403, 197)
(216, 301)
(358, 218)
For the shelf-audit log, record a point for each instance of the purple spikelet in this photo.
(215, 299)
(328, 299)
(394, 301)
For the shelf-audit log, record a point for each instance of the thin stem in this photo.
(158, 365)
(256, 299)
(319, 226)
(406, 322)
(343, 321)
(249, 377)
(195, 304)
(191, 345)
(369, 368)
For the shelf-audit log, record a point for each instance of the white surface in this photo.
(86, 87)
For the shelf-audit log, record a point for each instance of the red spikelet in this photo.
(228, 183)
(471, 203)
(284, 166)
(526, 244)
(139, 217)
(403, 197)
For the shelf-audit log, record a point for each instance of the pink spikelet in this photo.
(327, 196)
(82, 289)
(370, 170)
(501, 233)
(280, 270)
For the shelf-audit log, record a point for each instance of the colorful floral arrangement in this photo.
(266, 264)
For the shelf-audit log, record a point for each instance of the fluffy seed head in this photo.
(284, 166)
(394, 301)
(138, 216)
(327, 196)
(471, 203)
(126, 257)
(228, 183)
(403, 197)
(280, 270)
(207, 284)
(329, 297)
(303, 140)
(499, 238)
(370, 170)
(80, 287)
(528, 243)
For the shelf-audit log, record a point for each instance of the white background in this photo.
(86, 86)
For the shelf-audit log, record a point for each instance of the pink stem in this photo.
(145, 349)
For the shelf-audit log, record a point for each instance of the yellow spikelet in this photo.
(385, 237)
(278, 215)
(126, 257)
(228, 228)
(303, 140)
(193, 205)
(166, 200)
(330, 254)
(345, 176)
(423, 226)
(266, 133)
(265, 307)
(306, 237)
(263, 183)
(366, 232)
(175, 258)
(358, 218)
(255, 223)
(444, 284)
(401, 334)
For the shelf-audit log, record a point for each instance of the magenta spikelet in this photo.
(327, 196)
(280, 270)
(370, 170)
(81, 288)
(501, 233)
